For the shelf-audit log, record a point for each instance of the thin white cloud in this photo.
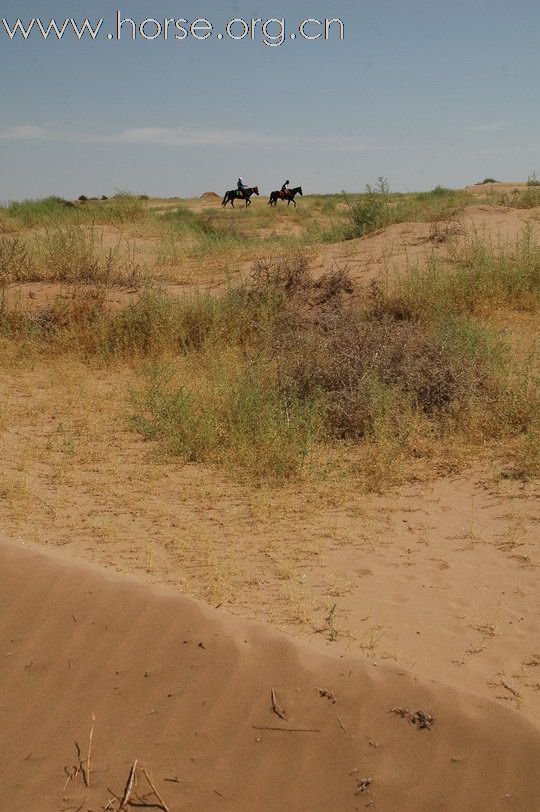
(485, 127)
(532, 149)
(181, 136)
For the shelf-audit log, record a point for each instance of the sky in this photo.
(418, 91)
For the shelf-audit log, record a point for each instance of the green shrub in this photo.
(33, 213)
(241, 417)
(371, 212)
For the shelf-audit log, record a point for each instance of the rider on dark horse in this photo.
(285, 189)
(241, 187)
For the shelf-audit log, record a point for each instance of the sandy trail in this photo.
(180, 687)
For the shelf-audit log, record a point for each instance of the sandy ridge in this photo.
(179, 686)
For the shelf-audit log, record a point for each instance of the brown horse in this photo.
(289, 196)
(236, 194)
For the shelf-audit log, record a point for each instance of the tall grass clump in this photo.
(199, 235)
(184, 221)
(483, 277)
(32, 213)
(528, 199)
(440, 204)
(73, 254)
(15, 261)
(370, 212)
(378, 208)
(123, 208)
(241, 417)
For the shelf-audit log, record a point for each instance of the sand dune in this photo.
(184, 689)
(368, 258)
(401, 245)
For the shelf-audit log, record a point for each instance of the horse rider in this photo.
(241, 187)
(285, 189)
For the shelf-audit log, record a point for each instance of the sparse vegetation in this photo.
(254, 411)
(483, 277)
(260, 375)
(307, 364)
(32, 213)
(378, 208)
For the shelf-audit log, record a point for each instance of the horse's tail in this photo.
(225, 199)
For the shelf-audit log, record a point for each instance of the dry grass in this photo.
(258, 377)
(266, 413)
(482, 278)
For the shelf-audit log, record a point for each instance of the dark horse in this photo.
(235, 194)
(289, 196)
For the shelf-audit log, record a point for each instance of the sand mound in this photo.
(499, 186)
(210, 196)
(187, 690)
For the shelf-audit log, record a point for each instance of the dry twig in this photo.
(129, 785)
(276, 707)
(156, 793)
(81, 764)
(90, 749)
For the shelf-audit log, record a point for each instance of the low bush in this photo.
(32, 213)
(268, 369)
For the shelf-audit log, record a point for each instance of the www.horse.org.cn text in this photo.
(270, 32)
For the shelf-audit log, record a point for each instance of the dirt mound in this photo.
(210, 196)
(498, 186)
(224, 714)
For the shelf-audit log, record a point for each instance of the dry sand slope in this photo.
(404, 244)
(186, 689)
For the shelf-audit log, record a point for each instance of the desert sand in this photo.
(223, 713)
(423, 598)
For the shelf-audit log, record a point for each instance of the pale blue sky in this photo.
(420, 91)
